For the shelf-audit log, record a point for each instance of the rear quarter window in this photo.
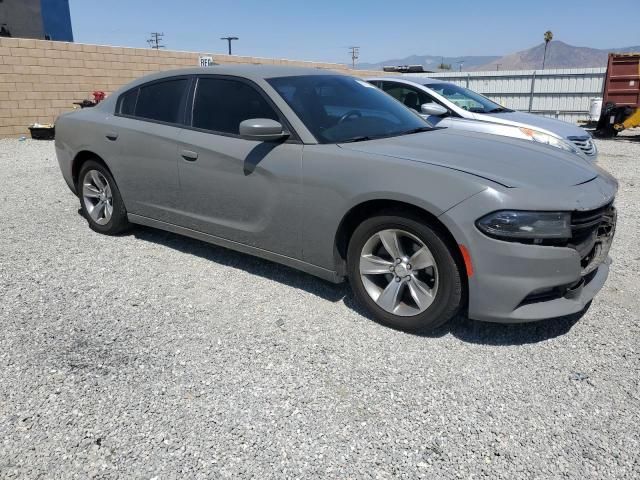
(127, 103)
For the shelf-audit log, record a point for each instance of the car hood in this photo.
(507, 161)
(522, 119)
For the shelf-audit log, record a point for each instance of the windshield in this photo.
(466, 99)
(339, 109)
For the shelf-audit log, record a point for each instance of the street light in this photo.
(229, 39)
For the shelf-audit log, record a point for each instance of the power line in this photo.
(154, 41)
(355, 54)
(229, 40)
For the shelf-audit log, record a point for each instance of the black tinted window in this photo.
(220, 105)
(128, 102)
(339, 108)
(162, 101)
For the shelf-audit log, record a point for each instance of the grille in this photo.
(585, 144)
(581, 221)
(591, 235)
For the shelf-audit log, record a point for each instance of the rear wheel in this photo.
(404, 273)
(100, 199)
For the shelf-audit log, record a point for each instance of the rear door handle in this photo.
(113, 136)
(189, 155)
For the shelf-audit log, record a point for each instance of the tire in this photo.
(416, 309)
(100, 199)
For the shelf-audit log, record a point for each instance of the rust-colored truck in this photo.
(621, 105)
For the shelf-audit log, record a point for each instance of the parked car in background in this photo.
(448, 105)
(327, 174)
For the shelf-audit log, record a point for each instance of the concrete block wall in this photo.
(40, 79)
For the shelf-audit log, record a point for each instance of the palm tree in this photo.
(548, 36)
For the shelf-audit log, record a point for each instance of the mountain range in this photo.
(559, 55)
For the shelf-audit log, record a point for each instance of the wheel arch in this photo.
(79, 160)
(360, 212)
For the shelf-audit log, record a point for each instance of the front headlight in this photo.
(547, 139)
(519, 225)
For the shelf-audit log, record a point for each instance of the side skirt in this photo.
(323, 273)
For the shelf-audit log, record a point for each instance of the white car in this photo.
(448, 105)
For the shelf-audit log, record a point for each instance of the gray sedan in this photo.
(327, 174)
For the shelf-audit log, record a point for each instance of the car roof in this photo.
(420, 80)
(256, 73)
(253, 72)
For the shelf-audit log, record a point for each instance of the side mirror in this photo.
(433, 109)
(262, 129)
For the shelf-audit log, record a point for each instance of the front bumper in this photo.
(574, 300)
(515, 282)
(497, 298)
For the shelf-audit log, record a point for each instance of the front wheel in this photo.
(404, 273)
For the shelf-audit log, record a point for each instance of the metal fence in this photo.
(563, 93)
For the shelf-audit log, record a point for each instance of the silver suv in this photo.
(327, 174)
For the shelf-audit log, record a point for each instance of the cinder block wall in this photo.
(40, 79)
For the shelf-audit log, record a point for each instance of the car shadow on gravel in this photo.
(461, 327)
(498, 334)
(248, 263)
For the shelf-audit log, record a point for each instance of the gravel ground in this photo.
(154, 356)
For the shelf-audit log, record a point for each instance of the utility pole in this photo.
(355, 54)
(229, 40)
(498, 66)
(460, 64)
(444, 66)
(154, 41)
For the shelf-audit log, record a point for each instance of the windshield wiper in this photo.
(363, 138)
(499, 110)
(418, 130)
(360, 138)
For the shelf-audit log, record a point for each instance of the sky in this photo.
(323, 30)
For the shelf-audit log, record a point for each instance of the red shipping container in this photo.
(622, 84)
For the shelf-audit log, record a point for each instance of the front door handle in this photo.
(189, 155)
(113, 136)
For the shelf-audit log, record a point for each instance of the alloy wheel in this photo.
(97, 197)
(398, 272)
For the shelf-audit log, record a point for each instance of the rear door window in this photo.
(162, 101)
(222, 104)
